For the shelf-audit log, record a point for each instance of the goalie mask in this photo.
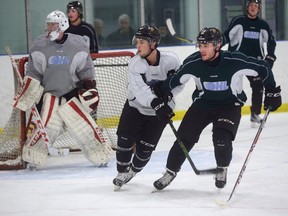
(149, 33)
(56, 23)
(210, 35)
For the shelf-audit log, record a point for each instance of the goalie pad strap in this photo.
(29, 94)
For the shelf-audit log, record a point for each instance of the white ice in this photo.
(71, 186)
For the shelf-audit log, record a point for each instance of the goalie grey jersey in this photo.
(59, 66)
(142, 76)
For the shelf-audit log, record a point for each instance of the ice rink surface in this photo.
(71, 186)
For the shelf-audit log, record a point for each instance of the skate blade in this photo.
(117, 188)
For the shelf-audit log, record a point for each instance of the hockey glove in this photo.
(272, 100)
(166, 97)
(270, 59)
(163, 111)
(88, 95)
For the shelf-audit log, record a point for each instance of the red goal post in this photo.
(111, 70)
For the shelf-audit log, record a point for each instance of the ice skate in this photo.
(165, 180)
(221, 178)
(255, 120)
(123, 178)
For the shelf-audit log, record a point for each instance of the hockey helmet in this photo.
(210, 35)
(77, 6)
(63, 24)
(253, 1)
(149, 33)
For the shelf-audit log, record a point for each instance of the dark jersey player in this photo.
(217, 100)
(248, 34)
(80, 27)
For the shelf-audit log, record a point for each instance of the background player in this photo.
(248, 34)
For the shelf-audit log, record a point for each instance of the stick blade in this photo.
(221, 203)
(170, 26)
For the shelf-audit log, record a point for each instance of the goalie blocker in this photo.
(85, 130)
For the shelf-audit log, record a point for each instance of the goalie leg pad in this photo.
(85, 130)
(29, 94)
(35, 150)
(50, 117)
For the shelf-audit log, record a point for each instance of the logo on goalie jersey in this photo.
(59, 60)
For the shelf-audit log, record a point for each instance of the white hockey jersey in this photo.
(142, 76)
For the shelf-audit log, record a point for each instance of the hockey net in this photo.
(111, 76)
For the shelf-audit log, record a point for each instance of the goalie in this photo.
(60, 79)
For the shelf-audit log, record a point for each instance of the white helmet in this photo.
(60, 18)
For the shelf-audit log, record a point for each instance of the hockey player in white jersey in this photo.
(60, 79)
(139, 129)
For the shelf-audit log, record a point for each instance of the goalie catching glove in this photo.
(272, 100)
(163, 110)
(88, 95)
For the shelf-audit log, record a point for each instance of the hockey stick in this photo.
(173, 33)
(197, 171)
(52, 151)
(223, 203)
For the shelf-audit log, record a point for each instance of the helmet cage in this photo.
(63, 24)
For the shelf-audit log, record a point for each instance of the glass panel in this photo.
(13, 27)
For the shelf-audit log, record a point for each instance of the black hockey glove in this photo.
(163, 111)
(270, 59)
(272, 100)
(167, 97)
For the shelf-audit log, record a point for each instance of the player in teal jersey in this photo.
(217, 100)
(248, 34)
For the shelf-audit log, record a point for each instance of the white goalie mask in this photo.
(56, 23)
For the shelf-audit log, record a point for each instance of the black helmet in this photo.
(210, 35)
(149, 33)
(255, 1)
(75, 5)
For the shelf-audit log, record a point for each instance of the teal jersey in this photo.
(249, 36)
(222, 84)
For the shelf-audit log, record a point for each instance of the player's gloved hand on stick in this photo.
(270, 59)
(272, 98)
(163, 111)
(88, 95)
(167, 97)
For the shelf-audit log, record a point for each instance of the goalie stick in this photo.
(34, 112)
(224, 203)
(197, 171)
(173, 33)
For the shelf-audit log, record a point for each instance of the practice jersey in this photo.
(88, 32)
(59, 67)
(249, 35)
(142, 76)
(219, 85)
